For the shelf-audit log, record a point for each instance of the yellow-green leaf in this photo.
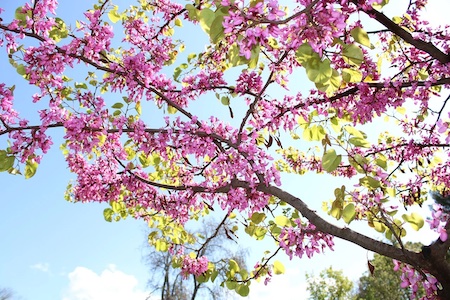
(161, 245)
(113, 15)
(30, 168)
(348, 214)
(360, 36)
(258, 217)
(306, 54)
(206, 18)
(178, 22)
(351, 75)
(318, 71)
(281, 220)
(415, 220)
(6, 161)
(369, 182)
(330, 160)
(243, 290)
(353, 55)
(278, 267)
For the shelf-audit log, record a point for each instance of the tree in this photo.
(170, 283)
(384, 282)
(97, 78)
(329, 285)
(6, 294)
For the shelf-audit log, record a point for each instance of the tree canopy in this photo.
(172, 110)
(329, 285)
(383, 283)
(170, 283)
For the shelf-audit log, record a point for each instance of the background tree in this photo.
(211, 240)
(142, 141)
(384, 282)
(329, 285)
(6, 294)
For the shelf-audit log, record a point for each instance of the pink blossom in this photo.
(194, 266)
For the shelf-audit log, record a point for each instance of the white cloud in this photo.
(44, 267)
(111, 284)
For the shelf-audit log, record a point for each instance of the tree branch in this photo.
(381, 85)
(343, 233)
(427, 47)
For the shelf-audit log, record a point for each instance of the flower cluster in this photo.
(185, 163)
(438, 220)
(194, 266)
(413, 279)
(304, 239)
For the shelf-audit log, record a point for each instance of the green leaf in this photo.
(192, 12)
(177, 73)
(314, 133)
(380, 227)
(330, 161)
(319, 71)
(306, 54)
(415, 220)
(331, 85)
(253, 62)
(243, 290)
(191, 57)
(275, 230)
(257, 217)
(353, 55)
(381, 161)
(108, 214)
(22, 17)
(336, 209)
(278, 267)
(214, 275)
(21, 69)
(225, 100)
(244, 274)
(6, 161)
(282, 220)
(216, 31)
(30, 168)
(369, 182)
(359, 142)
(355, 132)
(358, 162)
(231, 285)
(59, 30)
(233, 267)
(349, 213)
(80, 85)
(361, 36)
(117, 105)
(259, 233)
(206, 18)
(234, 58)
(351, 75)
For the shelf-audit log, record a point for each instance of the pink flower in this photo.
(194, 266)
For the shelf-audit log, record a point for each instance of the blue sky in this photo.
(53, 249)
